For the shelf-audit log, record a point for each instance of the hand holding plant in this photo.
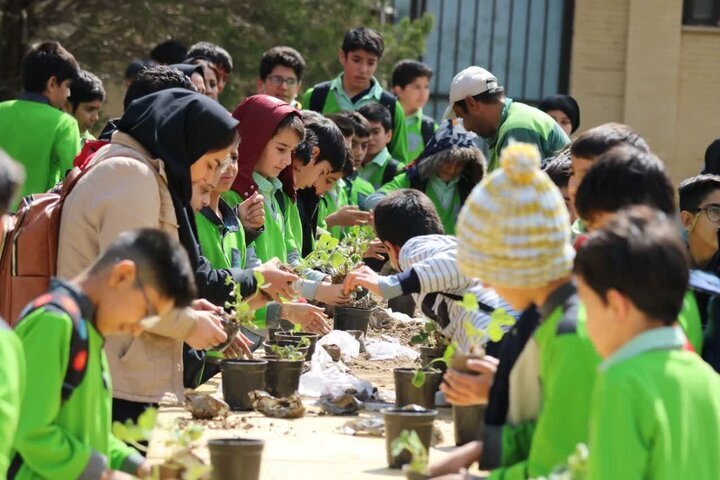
(278, 282)
(364, 277)
(462, 389)
(308, 318)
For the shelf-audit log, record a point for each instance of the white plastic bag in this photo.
(349, 347)
(389, 348)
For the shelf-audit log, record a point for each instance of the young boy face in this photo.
(126, 304)
(379, 138)
(57, 92)
(277, 154)
(602, 317)
(449, 171)
(359, 150)
(325, 184)
(307, 175)
(87, 114)
(358, 68)
(414, 95)
(580, 167)
(702, 231)
(282, 83)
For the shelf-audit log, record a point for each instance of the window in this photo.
(701, 12)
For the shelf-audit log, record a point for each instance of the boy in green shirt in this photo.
(85, 101)
(12, 357)
(411, 84)
(356, 86)
(378, 167)
(655, 410)
(514, 236)
(33, 129)
(447, 171)
(65, 421)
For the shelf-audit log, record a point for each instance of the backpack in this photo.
(62, 302)
(28, 248)
(427, 129)
(391, 169)
(321, 91)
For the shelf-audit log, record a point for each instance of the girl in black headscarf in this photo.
(564, 110)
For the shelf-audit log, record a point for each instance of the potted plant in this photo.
(419, 385)
(298, 348)
(285, 365)
(432, 345)
(297, 335)
(409, 441)
(236, 458)
(397, 420)
(181, 462)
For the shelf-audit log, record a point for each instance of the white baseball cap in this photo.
(468, 83)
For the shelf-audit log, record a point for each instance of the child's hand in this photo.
(251, 212)
(309, 317)
(239, 348)
(331, 294)
(376, 249)
(348, 216)
(205, 306)
(455, 464)
(208, 330)
(462, 389)
(364, 277)
(279, 282)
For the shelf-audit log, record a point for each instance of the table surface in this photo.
(306, 448)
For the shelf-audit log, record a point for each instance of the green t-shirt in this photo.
(358, 190)
(222, 240)
(655, 412)
(56, 439)
(12, 386)
(42, 138)
(338, 100)
(374, 171)
(330, 203)
(416, 142)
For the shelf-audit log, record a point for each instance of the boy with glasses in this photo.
(281, 72)
(64, 429)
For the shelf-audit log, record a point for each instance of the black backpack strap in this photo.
(281, 200)
(318, 97)
(427, 129)
(389, 101)
(79, 344)
(391, 169)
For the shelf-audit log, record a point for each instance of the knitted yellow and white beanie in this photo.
(514, 230)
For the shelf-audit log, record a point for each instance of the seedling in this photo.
(418, 379)
(291, 352)
(499, 318)
(181, 444)
(429, 336)
(241, 311)
(410, 441)
(338, 258)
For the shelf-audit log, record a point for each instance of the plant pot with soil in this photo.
(351, 318)
(236, 458)
(288, 347)
(297, 337)
(282, 376)
(410, 390)
(239, 378)
(398, 420)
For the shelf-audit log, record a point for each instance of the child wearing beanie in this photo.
(514, 236)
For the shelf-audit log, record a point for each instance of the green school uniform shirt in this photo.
(567, 366)
(655, 412)
(338, 100)
(42, 138)
(272, 242)
(374, 170)
(523, 123)
(12, 386)
(222, 240)
(416, 142)
(62, 440)
(330, 203)
(358, 190)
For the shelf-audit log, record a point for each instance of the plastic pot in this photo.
(235, 458)
(269, 344)
(403, 304)
(406, 393)
(297, 336)
(428, 354)
(468, 423)
(239, 378)
(282, 377)
(350, 318)
(397, 420)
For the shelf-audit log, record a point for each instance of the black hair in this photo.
(284, 56)
(137, 66)
(639, 254)
(566, 104)
(494, 96)
(559, 168)
(622, 177)
(215, 53)
(329, 139)
(154, 79)
(45, 60)
(693, 191)
(600, 139)
(406, 71)
(376, 112)
(360, 124)
(169, 52)
(161, 262)
(86, 87)
(405, 214)
(12, 176)
(294, 123)
(363, 39)
(712, 158)
(343, 122)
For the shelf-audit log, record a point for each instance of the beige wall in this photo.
(634, 62)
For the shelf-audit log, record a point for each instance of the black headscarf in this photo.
(712, 158)
(179, 126)
(566, 104)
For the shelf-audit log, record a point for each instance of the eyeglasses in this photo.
(278, 80)
(152, 318)
(712, 212)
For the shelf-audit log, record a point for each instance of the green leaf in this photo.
(148, 419)
(418, 379)
(336, 260)
(297, 328)
(214, 354)
(430, 327)
(418, 339)
(449, 354)
(470, 303)
(495, 332)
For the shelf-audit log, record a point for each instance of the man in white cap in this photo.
(476, 98)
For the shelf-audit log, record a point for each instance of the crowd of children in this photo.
(612, 290)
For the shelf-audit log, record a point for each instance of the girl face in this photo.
(277, 153)
(227, 177)
(211, 82)
(206, 167)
